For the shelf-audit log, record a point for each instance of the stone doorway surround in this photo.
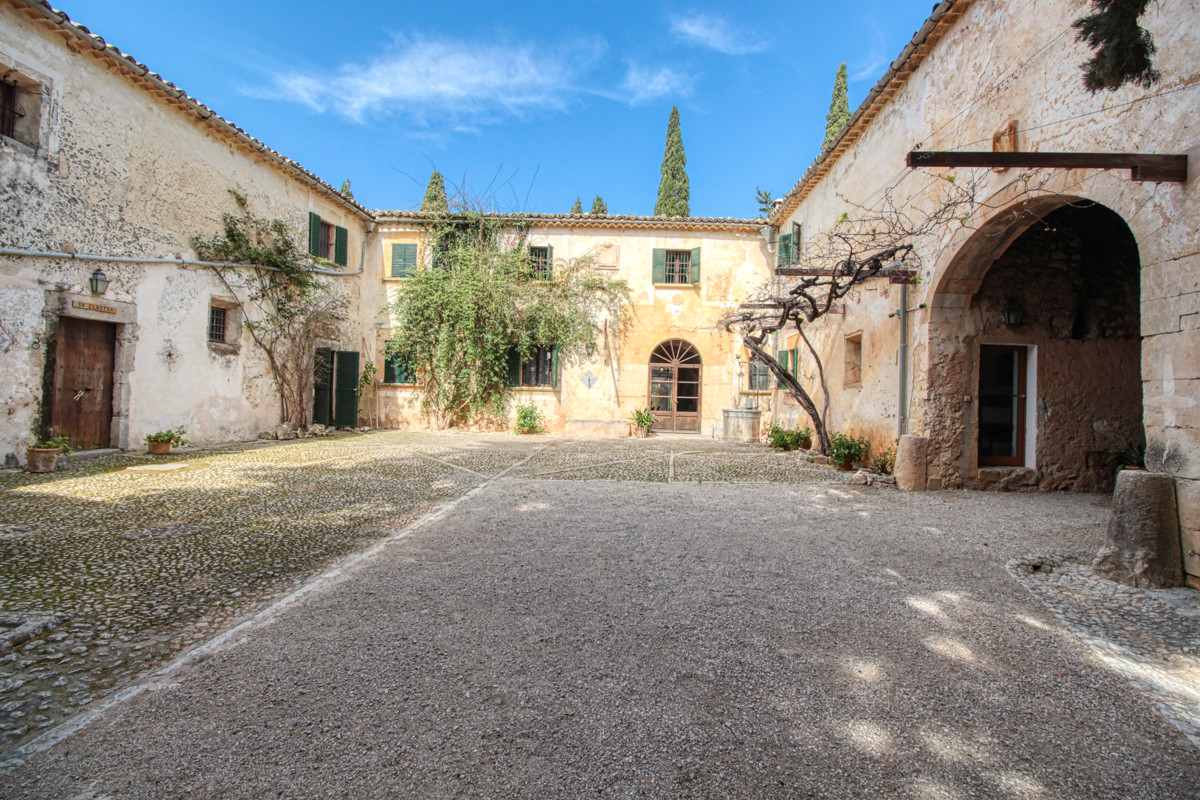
(100, 309)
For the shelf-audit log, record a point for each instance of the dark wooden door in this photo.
(1001, 406)
(675, 386)
(83, 382)
(323, 387)
(345, 388)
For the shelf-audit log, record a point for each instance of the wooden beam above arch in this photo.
(1142, 166)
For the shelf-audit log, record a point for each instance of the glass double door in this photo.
(675, 387)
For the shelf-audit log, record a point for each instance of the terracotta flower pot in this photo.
(806, 444)
(41, 459)
(158, 448)
(847, 464)
(640, 433)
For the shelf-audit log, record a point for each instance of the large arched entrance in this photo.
(1037, 373)
(675, 386)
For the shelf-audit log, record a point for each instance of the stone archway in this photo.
(1039, 401)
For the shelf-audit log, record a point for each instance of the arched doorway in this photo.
(675, 386)
(1038, 371)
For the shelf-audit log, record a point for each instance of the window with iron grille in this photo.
(678, 262)
(540, 261)
(8, 108)
(217, 318)
(539, 369)
(760, 377)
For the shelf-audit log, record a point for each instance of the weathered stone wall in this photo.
(1019, 61)
(119, 171)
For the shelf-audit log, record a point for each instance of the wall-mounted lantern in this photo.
(590, 347)
(1013, 314)
(98, 282)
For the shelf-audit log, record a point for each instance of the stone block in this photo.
(934, 484)
(1173, 450)
(1143, 533)
(1171, 356)
(1187, 499)
(1162, 315)
(912, 463)
(1172, 404)
(1006, 479)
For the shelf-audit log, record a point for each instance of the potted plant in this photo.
(159, 444)
(846, 450)
(1132, 457)
(43, 454)
(643, 421)
(785, 439)
(529, 419)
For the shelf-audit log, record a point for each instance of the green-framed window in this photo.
(404, 260)
(676, 266)
(326, 240)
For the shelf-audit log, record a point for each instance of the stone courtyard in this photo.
(546, 617)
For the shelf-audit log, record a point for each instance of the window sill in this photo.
(396, 277)
(399, 385)
(852, 386)
(542, 389)
(676, 286)
(223, 349)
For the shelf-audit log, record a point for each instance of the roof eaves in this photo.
(945, 14)
(594, 220)
(189, 103)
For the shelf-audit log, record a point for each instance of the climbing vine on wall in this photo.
(286, 307)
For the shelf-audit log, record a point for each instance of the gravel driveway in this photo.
(588, 638)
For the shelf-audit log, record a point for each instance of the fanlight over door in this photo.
(675, 386)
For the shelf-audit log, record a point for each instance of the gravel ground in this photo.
(572, 638)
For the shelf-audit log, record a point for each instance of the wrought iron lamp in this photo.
(98, 282)
(590, 347)
(1013, 314)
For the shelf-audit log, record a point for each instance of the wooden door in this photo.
(345, 388)
(83, 382)
(1001, 406)
(675, 386)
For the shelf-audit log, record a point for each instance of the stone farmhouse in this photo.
(1059, 321)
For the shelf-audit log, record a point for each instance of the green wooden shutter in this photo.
(389, 370)
(694, 265)
(512, 368)
(796, 362)
(781, 357)
(783, 255)
(659, 265)
(549, 261)
(322, 375)
(345, 388)
(404, 260)
(314, 234)
(341, 241)
(554, 368)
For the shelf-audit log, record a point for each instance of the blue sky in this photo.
(529, 104)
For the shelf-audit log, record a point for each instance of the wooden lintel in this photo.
(1142, 166)
(757, 306)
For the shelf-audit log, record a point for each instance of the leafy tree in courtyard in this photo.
(435, 194)
(1122, 48)
(578, 207)
(462, 324)
(839, 108)
(599, 206)
(673, 191)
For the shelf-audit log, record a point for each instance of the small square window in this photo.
(20, 108)
(217, 317)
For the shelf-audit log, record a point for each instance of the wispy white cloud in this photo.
(715, 33)
(877, 59)
(643, 84)
(439, 79)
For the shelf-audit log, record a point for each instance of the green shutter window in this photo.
(314, 234)
(784, 250)
(796, 240)
(781, 357)
(694, 266)
(345, 388)
(323, 386)
(512, 368)
(341, 241)
(404, 260)
(554, 368)
(796, 362)
(549, 261)
(660, 265)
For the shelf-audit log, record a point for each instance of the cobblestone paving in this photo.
(143, 556)
(1152, 637)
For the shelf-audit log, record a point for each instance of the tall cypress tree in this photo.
(839, 108)
(673, 191)
(435, 194)
(578, 207)
(599, 206)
